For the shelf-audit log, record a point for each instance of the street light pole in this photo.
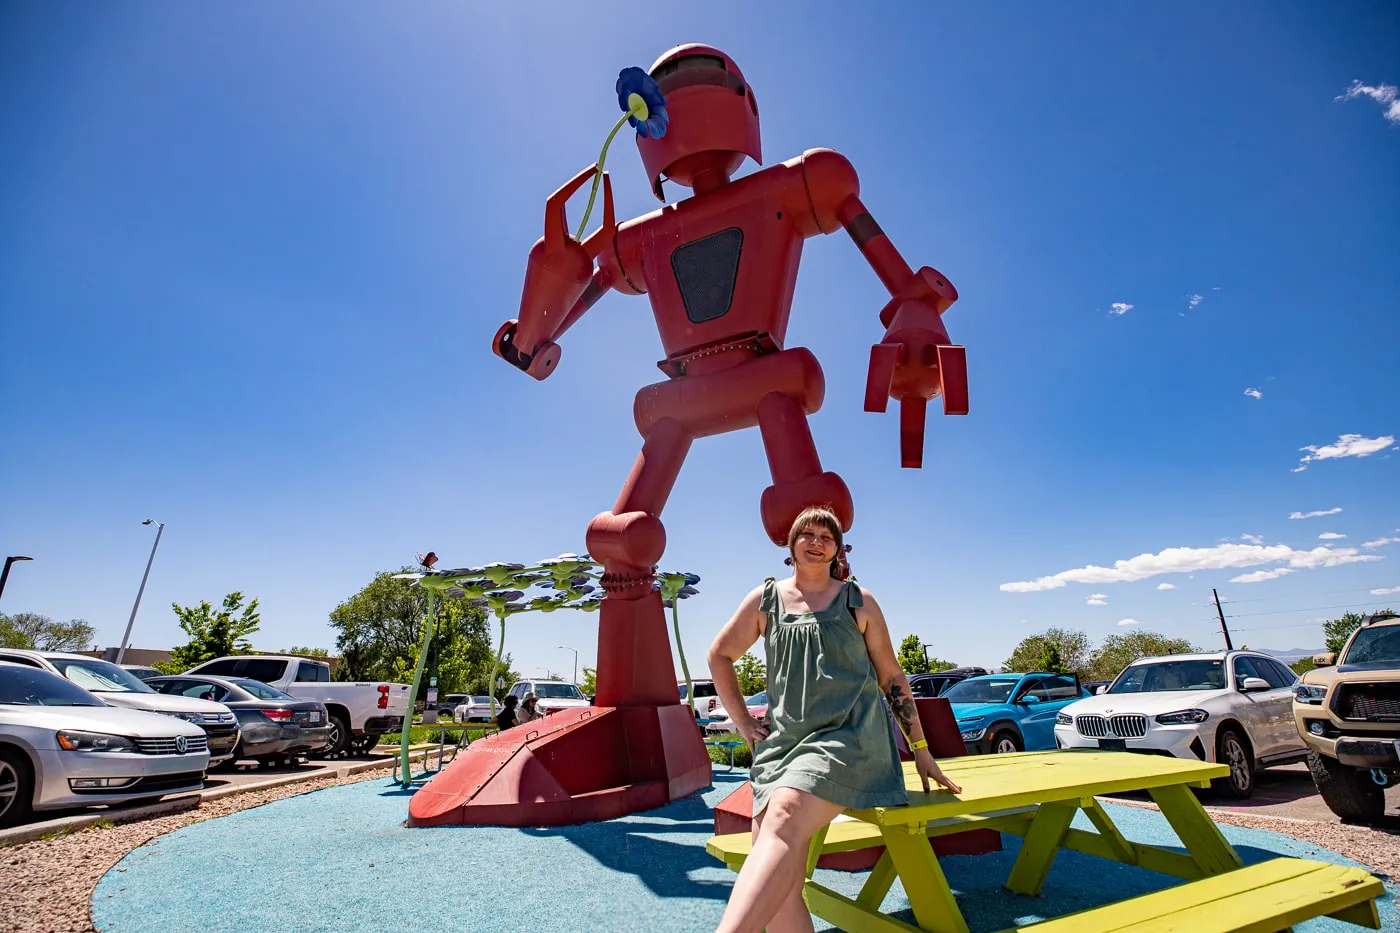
(5, 574)
(126, 638)
(575, 651)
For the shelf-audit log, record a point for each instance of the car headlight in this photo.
(1064, 719)
(74, 741)
(971, 729)
(1308, 693)
(1183, 716)
(195, 718)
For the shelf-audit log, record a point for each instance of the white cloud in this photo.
(1193, 301)
(1129, 622)
(1387, 95)
(1119, 308)
(1380, 542)
(1253, 392)
(1330, 536)
(1385, 591)
(1347, 445)
(1259, 576)
(1252, 539)
(1191, 559)
(1098, 599)
(1166, 586)
(1317, 514)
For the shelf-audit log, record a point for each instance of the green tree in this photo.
(1050, 660)
(1337, 631)
(213, 634)
(590, 681)
(912, 659)
(33, 632)
(1118, 651)
(753, 675)
(307, 652)
(1302, 666)
(1073, 647)
(380, 630)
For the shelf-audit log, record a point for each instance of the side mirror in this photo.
(1326, 659)
(1251, 684)
(1102, 688)
(1029, 699)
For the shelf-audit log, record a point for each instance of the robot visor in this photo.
(693, 70)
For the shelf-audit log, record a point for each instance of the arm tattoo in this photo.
(904, 710)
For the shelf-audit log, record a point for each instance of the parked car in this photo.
(758, 709)
(474, 709)
(550, 695)
(448, 703)
(936, 684)
(1232, 707)
(1001, 713)
(119, 687)
(360, 712)
(1347, 711)
(705, 702)
(276, 726)
(62, 746)
(141, 670)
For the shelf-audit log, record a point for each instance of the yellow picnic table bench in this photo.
(1036, 795)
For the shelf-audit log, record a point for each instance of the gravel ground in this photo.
(46, 886)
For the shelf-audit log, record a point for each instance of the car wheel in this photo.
(1232, 750)
(1006, 742)
(1348, 792)
(364, 744)
(16, 788)
(339, 739)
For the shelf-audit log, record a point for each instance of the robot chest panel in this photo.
(718, 276)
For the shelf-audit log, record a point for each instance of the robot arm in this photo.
(560, 283)
(915, 360)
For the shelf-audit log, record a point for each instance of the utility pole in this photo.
(1220, 612)
(126, 637)
(5, 574)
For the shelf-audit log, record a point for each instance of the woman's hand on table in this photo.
(928, 768)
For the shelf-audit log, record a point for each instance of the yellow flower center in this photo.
(637, 107)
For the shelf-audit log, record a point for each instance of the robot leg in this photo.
(798, 478)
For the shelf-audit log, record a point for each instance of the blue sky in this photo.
(252, 259)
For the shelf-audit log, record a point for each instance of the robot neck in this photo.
(708, 180)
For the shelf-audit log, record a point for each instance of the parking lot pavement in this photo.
(249, 772)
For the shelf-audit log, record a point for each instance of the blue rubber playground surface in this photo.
(340, 860)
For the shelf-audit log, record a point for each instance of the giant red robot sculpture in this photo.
(720, 268)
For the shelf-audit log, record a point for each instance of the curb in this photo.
(192, 801)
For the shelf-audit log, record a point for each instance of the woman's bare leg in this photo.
(768, 891)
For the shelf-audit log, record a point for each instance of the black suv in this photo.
(934, 685)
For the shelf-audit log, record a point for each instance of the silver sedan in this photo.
(62, 747)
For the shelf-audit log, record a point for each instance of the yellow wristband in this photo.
(915, 746)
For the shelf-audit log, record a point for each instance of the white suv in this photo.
(1233, 707)
(551, 695)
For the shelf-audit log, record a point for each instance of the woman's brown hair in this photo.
(823, 518)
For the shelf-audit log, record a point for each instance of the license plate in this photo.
(314, 717)
(1113, 745)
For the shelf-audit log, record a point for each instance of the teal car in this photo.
(1011, 712)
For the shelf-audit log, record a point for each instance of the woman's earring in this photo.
(787, 561)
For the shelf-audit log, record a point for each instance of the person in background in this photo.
(506, 718)
(527, 711)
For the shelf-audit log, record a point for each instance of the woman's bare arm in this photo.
(737, 636)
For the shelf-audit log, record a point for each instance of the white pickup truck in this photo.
(359, 712)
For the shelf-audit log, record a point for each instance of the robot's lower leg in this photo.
(798, 479)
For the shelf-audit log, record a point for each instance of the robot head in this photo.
(714, 118)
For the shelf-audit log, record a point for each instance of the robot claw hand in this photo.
(539, 362)
(912, 364)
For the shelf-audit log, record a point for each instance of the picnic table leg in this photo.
(923, 880)
(1122, 849)
(1041, 843)
(1196, 830)
(872, 893)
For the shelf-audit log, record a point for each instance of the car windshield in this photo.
(981, 691)
(758, 699)
(557, 692)
(1381, 643)
(29, 686)
(1171, 677)
(99, 676)
(259, 689)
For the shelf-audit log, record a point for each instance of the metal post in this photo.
(5, 574)
(575, 651)
(1220, 612)
(126, 638)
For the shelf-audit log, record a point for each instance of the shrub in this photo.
(719, 754)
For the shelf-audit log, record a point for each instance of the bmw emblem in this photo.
(182, 744)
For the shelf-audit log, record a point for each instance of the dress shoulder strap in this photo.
(769, 602)
(853, 598)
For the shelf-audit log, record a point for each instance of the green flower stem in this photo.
(429, 630)
(599, 177)
(496, 665)
(685, 668)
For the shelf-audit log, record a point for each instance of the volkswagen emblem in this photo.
(182, 744)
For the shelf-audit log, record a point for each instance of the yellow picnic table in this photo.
(1036, 795)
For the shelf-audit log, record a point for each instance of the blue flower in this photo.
(641, 99)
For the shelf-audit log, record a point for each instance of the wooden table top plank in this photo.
(1000, 781)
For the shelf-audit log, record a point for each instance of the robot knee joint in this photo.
(636, 539)
(783, 502)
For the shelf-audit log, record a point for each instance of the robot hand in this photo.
(916, 361)
(538, 363)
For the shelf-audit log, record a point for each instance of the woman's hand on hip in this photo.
(751, 729)
(928, 768)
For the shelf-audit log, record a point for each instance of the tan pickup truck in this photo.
(1348, 712)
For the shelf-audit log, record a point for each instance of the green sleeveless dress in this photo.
(831, 735)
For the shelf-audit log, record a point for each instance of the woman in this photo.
(831, 746)
(506, 718)
(527, 711)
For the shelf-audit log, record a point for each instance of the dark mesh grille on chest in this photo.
(705, 271)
